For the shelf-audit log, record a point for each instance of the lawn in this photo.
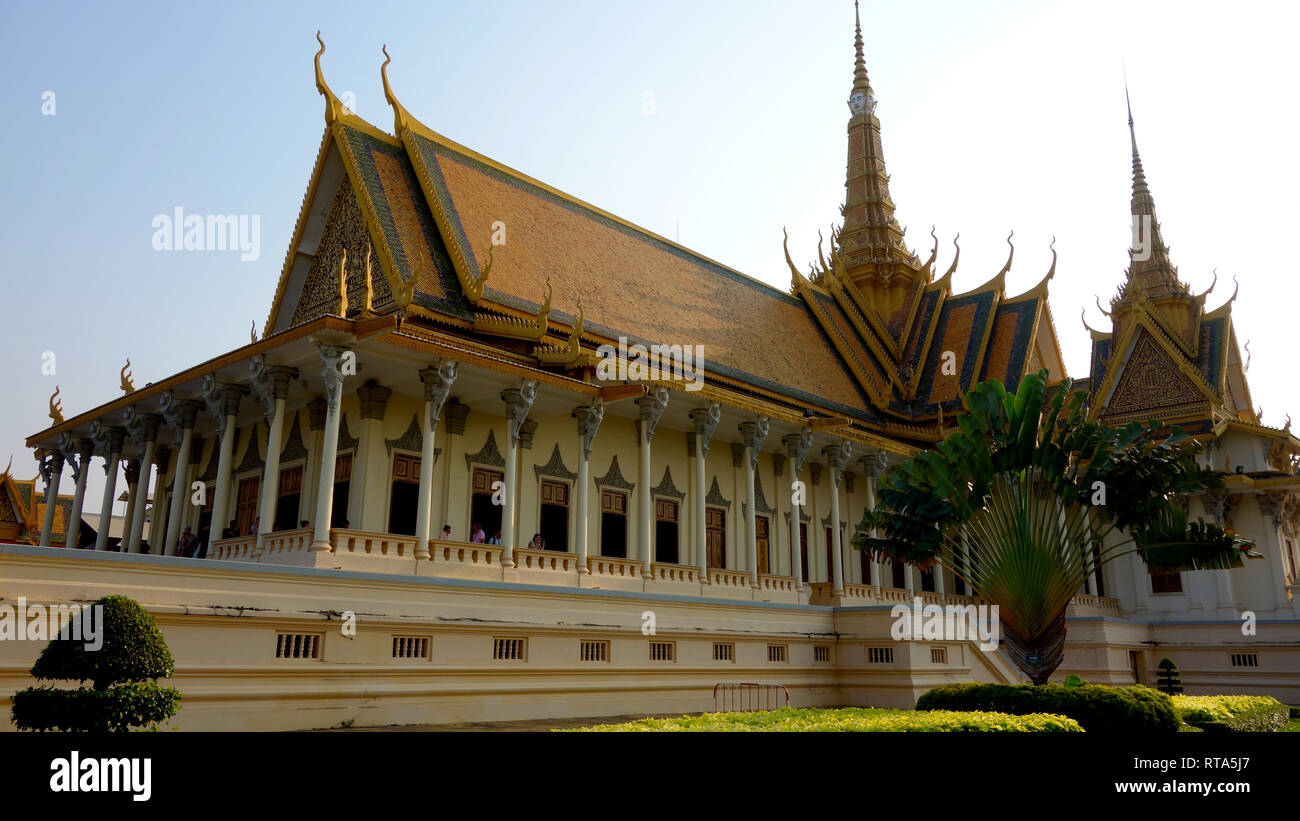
(847, 719)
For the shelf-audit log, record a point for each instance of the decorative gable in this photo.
(1152, 384)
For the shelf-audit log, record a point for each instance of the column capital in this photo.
(332, 356)
(132, 471)
(837, 457)
(316, 408)
(438, 379)
(778, 464)
(457, 416)
(797, 446)
(270, 381)
(222, 399)
(706, 423)
(143, 427)
(51, 465)
(874, 464)
(589, 418)
(373, 398)
(753, 434)
(179, 414)
(527, 430)
(108, 439)
(519, 401)
(651, 409)
(1272, 504)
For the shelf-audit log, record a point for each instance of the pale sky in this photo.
(995, 117)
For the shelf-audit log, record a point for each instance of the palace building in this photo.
(434, 357)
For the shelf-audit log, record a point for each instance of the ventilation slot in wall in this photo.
(297, 645)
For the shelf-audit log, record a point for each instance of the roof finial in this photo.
(1140, 191)
(56, 406)
(333, 106)
(860, 82)
(401, 119)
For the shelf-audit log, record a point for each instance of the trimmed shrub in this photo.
(848, 719)
(86, 710)
(122, 672)
(1096, 707)
(1233, 714)
(133, 649)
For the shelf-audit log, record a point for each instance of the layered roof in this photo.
(415, 224)
(1165, 357)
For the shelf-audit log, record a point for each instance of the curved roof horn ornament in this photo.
(334, 107)
(1011, 255)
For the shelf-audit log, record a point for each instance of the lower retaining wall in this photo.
(262, 647)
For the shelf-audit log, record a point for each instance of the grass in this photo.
(848, 719)
(1249, 714)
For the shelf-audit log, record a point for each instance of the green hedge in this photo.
(1233, 714)
(1097, 708)
(133, 649)
(84, 710)
(122, 669)
(849, 719)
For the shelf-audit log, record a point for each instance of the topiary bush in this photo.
(1233, 714)
(1099, 709)
(122, 671)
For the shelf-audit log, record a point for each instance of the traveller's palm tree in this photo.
(1026, 499)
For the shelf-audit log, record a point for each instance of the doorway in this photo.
(482, 510)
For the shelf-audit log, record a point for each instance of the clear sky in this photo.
(995, 116)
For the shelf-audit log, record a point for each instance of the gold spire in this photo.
(1149, 267)
(871, 241)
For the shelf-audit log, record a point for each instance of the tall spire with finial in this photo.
(871, 242)
(1150, 268)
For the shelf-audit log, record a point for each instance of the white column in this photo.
(332, 355)
(651, 409)
(83, 450)
(706, 422)
(438, 379)
(52, 473)
(589, 418)
(519, 401)
(272, 385)
(752, 435)
(874, 465)
(144, 429)
(837, 456)
(797, 446)
(109, 441)
(132, 471)
(1271, 506)
(180, 417)
(141, 507)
